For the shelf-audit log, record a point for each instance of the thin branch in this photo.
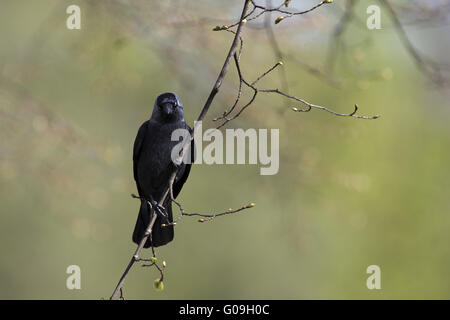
(289, 14)
(314, 106)
(208, 217)
(226, 119)
(279, 63)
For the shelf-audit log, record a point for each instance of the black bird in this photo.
(153, 166)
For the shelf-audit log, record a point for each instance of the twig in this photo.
(208, 217)
(256, 90)
(311, 106)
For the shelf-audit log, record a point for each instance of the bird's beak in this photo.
(167, 108)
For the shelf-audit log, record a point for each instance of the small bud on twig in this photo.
(220, 28)
(159, 285)
(278, 20)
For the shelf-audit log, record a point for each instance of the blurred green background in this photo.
(349, 193)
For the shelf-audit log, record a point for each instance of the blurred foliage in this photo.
(349, 193)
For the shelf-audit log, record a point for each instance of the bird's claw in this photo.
(160, 210)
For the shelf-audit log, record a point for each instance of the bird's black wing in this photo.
(138, 142)
(178, 184)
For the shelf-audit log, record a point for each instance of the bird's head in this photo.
(168, 108)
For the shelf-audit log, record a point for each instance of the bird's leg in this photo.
(159, 209)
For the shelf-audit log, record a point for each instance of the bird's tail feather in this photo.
(160, 235)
